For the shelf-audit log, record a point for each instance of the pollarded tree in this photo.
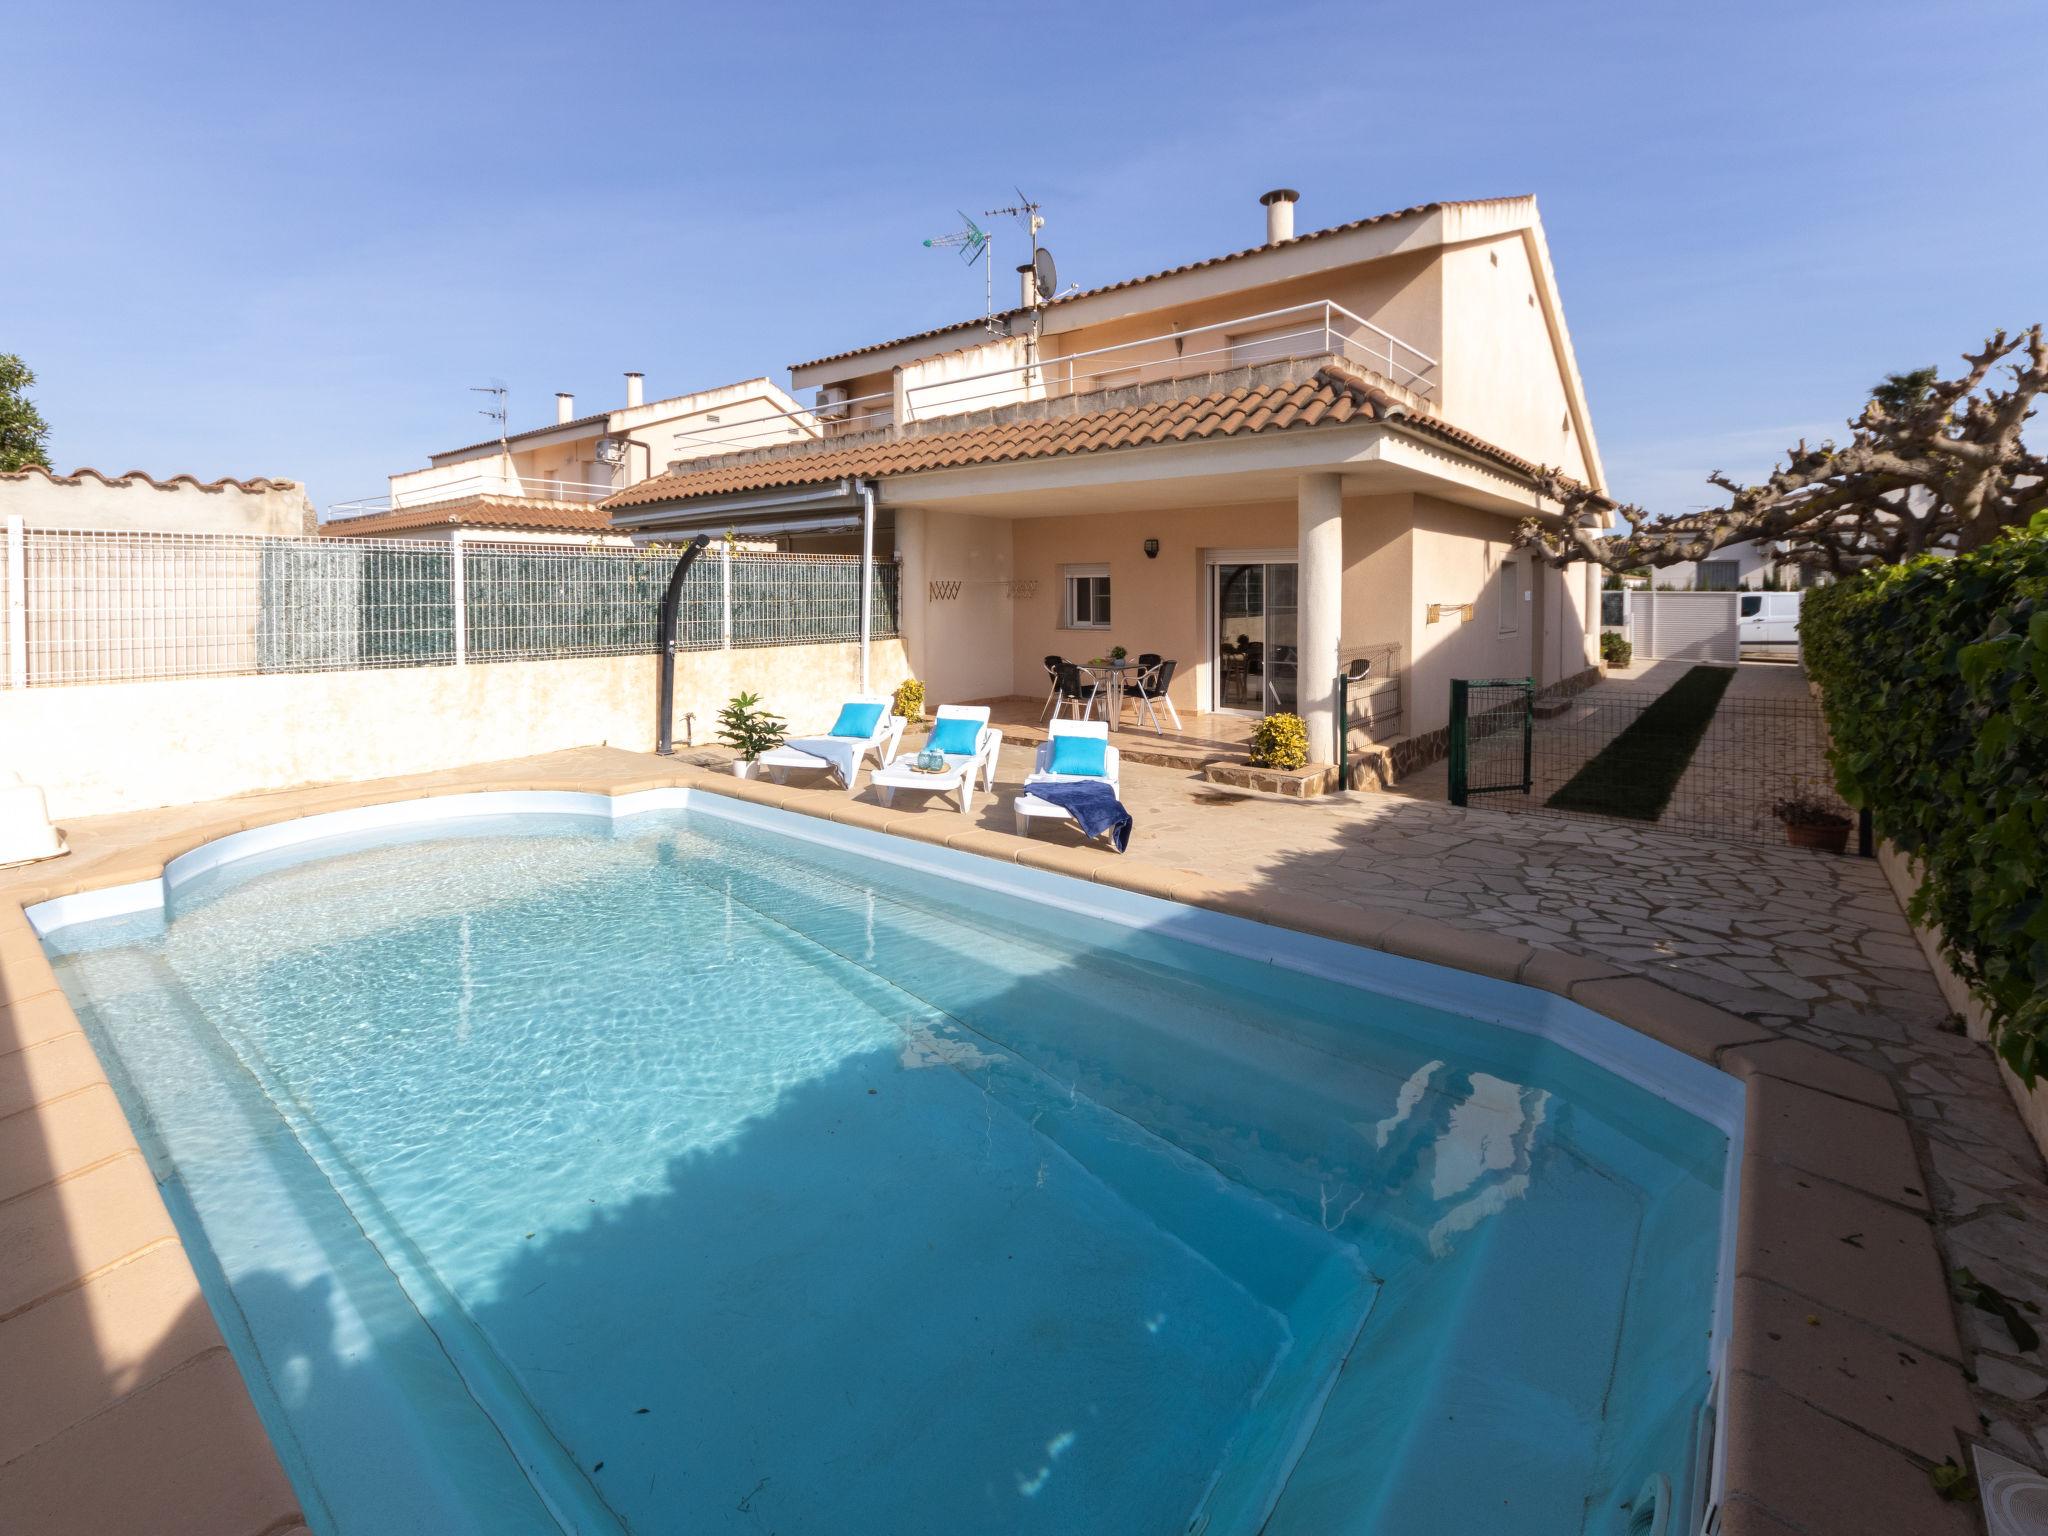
(1931, 464)
(22, 428)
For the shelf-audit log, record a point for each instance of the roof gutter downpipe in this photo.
(671, 610)
(867, 578)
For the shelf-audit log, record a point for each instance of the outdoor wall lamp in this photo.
(1151, 549)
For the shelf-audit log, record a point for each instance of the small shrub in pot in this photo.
(749, 730)
(1280, 741)
(1813, 824)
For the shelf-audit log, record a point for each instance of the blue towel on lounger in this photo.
(1093, 804)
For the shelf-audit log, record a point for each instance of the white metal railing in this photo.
(1318, 329)
(125, 606)
(521, 486)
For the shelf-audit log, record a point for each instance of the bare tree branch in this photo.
(1931, 464)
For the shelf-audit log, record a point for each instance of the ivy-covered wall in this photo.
(1934, 677)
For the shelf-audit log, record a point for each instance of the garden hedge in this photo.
(1934, 676)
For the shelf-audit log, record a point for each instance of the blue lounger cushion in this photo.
(955, 736)
(857, 721)
(1082, 755)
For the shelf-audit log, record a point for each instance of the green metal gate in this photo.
(1493, 723)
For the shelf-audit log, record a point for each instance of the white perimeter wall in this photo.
(129, 746)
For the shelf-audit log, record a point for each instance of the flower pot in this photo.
(1823, 836)
(744, 768)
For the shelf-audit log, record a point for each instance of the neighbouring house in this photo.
(1263, 465)
(546, 484)
(1750, 564)
(135, 502)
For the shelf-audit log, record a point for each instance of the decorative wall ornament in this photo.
(943, 590)
(1022, 591)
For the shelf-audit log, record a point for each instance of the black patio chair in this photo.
(1052, 672)
(1070, 687)
(1150, 685)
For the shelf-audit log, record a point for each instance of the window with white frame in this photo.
(1087, 597)
(1510, 579)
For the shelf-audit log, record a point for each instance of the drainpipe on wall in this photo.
(867, 577)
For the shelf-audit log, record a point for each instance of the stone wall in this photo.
(136, 502)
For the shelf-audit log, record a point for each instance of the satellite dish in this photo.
(1044, 274)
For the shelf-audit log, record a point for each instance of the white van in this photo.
(1769, 618)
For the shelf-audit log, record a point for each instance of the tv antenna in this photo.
(972, 241)
(1043, 276)
(496, 409)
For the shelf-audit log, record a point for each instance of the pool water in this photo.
(674, 1174)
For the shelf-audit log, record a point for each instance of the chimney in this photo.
(565, 408)
(1027, 286)
(635, 389)
(1280, 214)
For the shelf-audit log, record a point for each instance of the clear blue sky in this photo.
(285, 239)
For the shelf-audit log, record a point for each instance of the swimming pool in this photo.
(678, 1165)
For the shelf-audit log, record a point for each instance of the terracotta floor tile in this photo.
(1850, 1143)
(84, 1349)
(35, 1020)
(41, 1072)
(1823, 1478)
(1868, 1259)
(184, 1457)
(61, 1137)
(1849, 1370)
(52, 1236)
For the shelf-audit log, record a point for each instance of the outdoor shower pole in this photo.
(671, 610)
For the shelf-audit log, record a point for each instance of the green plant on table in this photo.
(909, 701)
(749, 729)
(1117, 653)
(1280, 741)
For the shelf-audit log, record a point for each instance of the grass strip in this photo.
(1634, 774)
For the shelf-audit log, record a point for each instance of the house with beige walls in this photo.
(546, 483)
(1267, 465)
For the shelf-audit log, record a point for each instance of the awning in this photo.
(833, 507)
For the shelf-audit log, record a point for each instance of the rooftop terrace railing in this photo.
(1318, 329)
(520, 486)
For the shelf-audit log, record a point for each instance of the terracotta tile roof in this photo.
(135, 476)
(1331, 395)
(475, 512)
(1153, 277)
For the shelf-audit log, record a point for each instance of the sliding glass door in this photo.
(1254, 639)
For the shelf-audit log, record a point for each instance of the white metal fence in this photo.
(1676, 626)
(92, 607)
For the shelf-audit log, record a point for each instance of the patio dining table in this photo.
(1113, 675)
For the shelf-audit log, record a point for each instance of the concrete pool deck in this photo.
(1846, 1365)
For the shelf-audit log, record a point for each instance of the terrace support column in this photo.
(1319, 544)
(911, 596)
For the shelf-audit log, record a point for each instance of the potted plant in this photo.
(1117, 653)
(1280, 741)
(749, 730)
(1813, 824)
(1615, 650)
(909, 702)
